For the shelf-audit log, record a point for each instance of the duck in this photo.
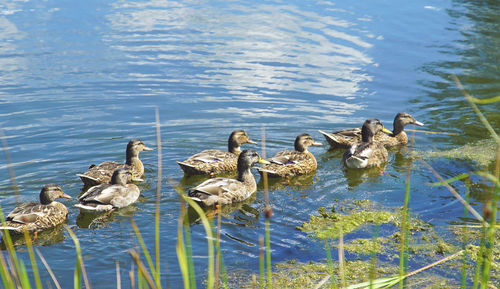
(101, 174)
(290, 163)
(118, 193)
(38, 216)
(213, 162)
(369, 153)
(225, 190)
(346, 138)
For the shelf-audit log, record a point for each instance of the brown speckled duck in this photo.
(348, 137)
(213, 162)
(118, 193)
(226, 191)
(290, 163)
(100, 174)
(38, 216)
(369, 153)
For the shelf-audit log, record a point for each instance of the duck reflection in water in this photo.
(239, 214)
(47, 237)
(298, 183)
(357, 177)
(97, 220)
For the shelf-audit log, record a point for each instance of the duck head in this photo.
(50, 193)
(303, 141)
(121, 176)
(135, 146)
(370, 127)
(236, 139)
(402, 119)
(248, 158)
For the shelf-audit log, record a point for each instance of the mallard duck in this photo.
(369, 152)
(38, 216)
(293, 162)
(212, 162)
(348, 137)
(226, 191)
(116, 194)
(99, 174)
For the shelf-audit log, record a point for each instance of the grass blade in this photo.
(118, 278)
(4, 273)
(181, 249)
(262, 264)
(189, 252)
(490, 234)
(456, 194)
(12, 256)
(131, 276)
(463, 271)
(143, 245)
(476, 109)
(268, 214)
(23, 276)
(210, 238)
(158, 199)
(388, 282)
(27, 238)
(268, 254)
(56, 283)
(80, 268)
(341, 258)
(485, 100)
(330, 264)
(143, 271)
(373, 257)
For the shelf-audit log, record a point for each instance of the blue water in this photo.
(79, 79)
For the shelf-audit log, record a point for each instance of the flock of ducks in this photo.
(109, 185)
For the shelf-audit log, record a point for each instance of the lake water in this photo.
(78, 79)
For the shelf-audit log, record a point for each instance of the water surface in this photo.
(79, 79)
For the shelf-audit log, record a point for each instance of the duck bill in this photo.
(134, 179)
(317, 144)
(251, 142)
(147, 149)
(418, 123)
(65, 196)
(386, 130)
(263, 161)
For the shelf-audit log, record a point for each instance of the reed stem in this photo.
(158, 199)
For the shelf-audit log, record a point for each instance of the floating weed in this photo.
(482, 152)
(353, 216)
(368, 246)
(294, 274)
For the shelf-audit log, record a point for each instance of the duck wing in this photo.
(290, 163)
(211, 191)
(349, 133)
(27, 213)
(209, 161)
(104, 194)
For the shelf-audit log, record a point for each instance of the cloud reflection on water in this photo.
(255, 52)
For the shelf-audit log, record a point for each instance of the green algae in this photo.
(470, 236)
(355, 215)
(367, 246)
(295, 274)
(330, 225)
(425, 246)
(483, 152)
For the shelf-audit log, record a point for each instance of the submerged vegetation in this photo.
(397, 234)
(483, 152)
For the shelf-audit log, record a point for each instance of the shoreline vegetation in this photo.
(467, 257)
